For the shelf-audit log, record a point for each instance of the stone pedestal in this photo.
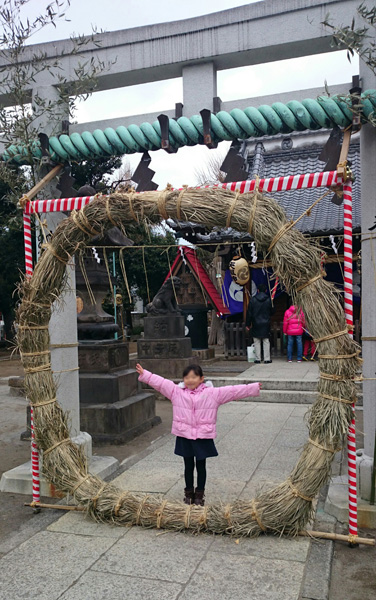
(164, 350)
(111, 408)
(205, 354)
(19, 480)
(337, 504)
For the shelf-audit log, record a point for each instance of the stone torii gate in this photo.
(196, 49)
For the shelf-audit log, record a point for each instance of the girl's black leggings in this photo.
(189, 465)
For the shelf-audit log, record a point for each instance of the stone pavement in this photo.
(51, 556)
(75, 558)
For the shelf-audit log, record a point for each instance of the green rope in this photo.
(237, 124)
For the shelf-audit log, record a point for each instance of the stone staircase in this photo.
(287, 390)
(281, 381)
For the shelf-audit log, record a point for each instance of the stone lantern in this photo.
(112, 407)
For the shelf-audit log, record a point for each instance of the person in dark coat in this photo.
(259, 311)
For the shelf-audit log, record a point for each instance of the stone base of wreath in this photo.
(337, 504)
(19, 480)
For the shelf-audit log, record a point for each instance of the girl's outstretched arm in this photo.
(165, 386)
(236, 392)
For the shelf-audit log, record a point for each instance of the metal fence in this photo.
(237, 338)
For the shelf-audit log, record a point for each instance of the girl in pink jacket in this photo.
(195, 406)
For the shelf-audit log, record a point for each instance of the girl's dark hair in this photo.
(195, 368)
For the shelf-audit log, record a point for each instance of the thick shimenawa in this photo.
(287, 507)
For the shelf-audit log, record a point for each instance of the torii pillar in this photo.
(337, 499)
(368, 238)
(64, 359)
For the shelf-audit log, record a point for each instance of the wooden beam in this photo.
(39, 186)
(56, 506)
(350, 539)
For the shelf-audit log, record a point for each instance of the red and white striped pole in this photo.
(274, 290)
(34, 462)
(348, 253)
(28, 244)
(34, 450)
(348, 302)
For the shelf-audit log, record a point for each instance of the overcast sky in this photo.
(245, 82)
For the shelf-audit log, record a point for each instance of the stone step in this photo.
(120, 421)
(101, 388)
(16, 392)
(16, 385)
(229, 367)
(283, 396)
(280, 391)
(289, 397)
(307, 385)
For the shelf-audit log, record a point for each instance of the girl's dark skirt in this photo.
(201, 449)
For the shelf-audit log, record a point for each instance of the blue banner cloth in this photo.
(232, 294)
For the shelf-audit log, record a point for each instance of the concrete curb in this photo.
(317, 574)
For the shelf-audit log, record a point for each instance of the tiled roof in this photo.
(325, 216)
(293, 154)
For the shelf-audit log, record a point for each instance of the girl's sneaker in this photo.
(299, 361)
(305, 358)
(289, 361)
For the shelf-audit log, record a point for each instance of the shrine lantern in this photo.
(239, 270)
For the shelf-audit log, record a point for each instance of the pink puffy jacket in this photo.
(293, 321)
(195, 411)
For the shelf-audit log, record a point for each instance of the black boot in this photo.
(189, 495)
(199, 497)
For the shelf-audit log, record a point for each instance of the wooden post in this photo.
(40, 185)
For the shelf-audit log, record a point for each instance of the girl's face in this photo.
(192, 381)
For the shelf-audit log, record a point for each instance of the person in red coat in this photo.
(293, 327)
(309, 346)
